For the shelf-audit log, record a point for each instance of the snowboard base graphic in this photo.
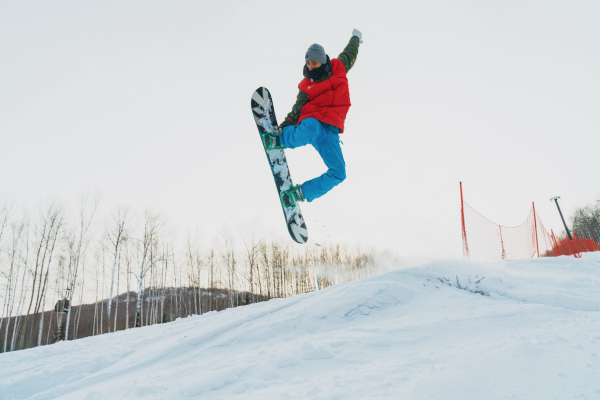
(264, 115)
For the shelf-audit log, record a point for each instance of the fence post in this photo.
(502, 243)
(464, 231)
(555, 245)
(576, 245)
(537, 246)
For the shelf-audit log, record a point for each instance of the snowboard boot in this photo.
(272, 141)
(290, 197)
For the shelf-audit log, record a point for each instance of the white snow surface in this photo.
(533, 334)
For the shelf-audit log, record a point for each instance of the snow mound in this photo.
(527, 329)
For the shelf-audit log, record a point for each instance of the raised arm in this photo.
(348, 56)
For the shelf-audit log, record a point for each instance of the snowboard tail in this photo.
(264, 116)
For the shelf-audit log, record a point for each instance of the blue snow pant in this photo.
(325, 139)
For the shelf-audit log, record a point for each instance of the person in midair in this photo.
(318, 118)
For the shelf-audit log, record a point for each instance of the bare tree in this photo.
(40, 236)
(5, 211)
(117, 303)
(252, 243)
(57, 217)
(150, 235)
(45, 239)
(87, 209)
(194, 261)
(228, 260)
(24, 281)
(128, 261)
(265, 261)
(116, 234)
(12, 277)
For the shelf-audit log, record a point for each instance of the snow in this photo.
(534, 333)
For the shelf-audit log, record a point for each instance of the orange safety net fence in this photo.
(554, 247)
(485, 240)
(568, 247)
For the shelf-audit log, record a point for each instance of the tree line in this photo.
(67, 274)
(586, 222)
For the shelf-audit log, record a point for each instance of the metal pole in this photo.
(561, 217)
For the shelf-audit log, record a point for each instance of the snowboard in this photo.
(264, 116)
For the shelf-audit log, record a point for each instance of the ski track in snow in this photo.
(533, 334)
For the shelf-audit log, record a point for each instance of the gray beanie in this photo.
(316, 52)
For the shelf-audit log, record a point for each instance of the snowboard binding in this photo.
(272, 141)
(291, 196)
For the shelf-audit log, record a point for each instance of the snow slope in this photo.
(534, 334)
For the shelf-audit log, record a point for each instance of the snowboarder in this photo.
(318, 118)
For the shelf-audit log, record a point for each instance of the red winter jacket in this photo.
(328, 101)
